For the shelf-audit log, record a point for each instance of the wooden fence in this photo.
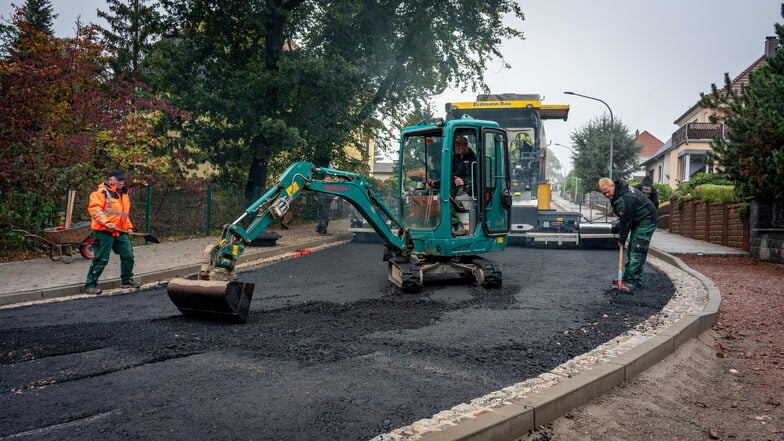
(716, 222)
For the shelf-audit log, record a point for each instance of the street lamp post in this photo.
(612, 125)
(573, 168)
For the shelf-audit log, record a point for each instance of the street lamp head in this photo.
(612, 123)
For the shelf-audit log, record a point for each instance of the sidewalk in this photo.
(39, 279)
(663, 240)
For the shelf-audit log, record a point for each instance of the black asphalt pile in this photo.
(332, 350)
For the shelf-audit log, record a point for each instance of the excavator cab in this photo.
(421, 236)
(431, 204)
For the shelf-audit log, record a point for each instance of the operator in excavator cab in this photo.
(462, 161)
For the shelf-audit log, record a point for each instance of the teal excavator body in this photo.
(418, 231)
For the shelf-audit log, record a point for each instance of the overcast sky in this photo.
(649, 60)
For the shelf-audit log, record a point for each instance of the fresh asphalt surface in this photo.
(332, 350)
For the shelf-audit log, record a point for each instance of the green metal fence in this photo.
(165, 212)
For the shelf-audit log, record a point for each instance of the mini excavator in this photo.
(418, 235)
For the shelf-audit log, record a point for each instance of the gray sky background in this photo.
(648, 60)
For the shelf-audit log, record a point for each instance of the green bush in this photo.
(716, 193)
(685, 188)
(26, 211)
(665, 192)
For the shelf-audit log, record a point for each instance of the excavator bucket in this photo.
(210, 299)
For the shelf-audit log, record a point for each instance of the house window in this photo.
(682, 169)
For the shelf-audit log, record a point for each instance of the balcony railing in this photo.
(698, 132)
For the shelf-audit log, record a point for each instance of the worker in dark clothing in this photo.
(324, 210)
(647, 187)
(463, 159)
(462, 162)
(638, 219)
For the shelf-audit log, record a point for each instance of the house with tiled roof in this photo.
(650, 145)
(684, 155)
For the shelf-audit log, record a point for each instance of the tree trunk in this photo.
(257, 179)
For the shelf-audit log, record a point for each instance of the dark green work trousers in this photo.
(636, 253)
(105, 243)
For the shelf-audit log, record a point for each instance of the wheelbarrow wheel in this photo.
(87, 248)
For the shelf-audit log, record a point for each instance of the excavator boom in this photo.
(217, 294)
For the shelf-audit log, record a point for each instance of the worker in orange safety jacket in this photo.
(109, 209)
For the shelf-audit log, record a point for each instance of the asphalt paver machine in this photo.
(418, 235)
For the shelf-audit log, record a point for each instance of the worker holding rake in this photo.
(638, 219)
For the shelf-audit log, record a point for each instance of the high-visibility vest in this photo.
(108, 205)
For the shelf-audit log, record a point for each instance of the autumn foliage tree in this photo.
(65, 122)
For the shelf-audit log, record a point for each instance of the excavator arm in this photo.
(274, 204)
(217, 294)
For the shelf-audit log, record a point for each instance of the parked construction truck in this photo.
(418, 234)
(534, 221)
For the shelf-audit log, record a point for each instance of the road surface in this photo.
(332, 350)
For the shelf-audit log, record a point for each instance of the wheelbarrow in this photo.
(64, 242)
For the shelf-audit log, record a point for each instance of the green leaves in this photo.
(326, 73)
(591, 144)
(753, 152)
(134, 27)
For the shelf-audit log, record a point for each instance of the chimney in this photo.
(771, 44)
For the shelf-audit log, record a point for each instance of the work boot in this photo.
(131, 284)
(93, 291)
(458, 230)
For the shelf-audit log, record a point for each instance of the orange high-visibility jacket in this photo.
(107, 205)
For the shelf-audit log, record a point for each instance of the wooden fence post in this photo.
(725, 224)
(708, 221)
(746, 233)
(693, 218)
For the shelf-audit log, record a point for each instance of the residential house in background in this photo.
(656, 167)
(384, 170)
(684, 155)
(650, 145)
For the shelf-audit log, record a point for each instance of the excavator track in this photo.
(492, 274)
(405, 275)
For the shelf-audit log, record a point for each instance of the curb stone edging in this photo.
(247, 261)
(509, 419)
